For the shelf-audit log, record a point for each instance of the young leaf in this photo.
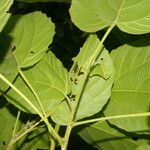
(130, 16)
(4, 15)
(32, 34)
(102, 136)
(97, 90)
(50, 82)
(86, 52)
(8, 64)
(131, 90)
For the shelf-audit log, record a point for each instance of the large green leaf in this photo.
(97, 90)
(131, 90)
(4, 15)
(50, 82)
(102, 136)
(130, 16)
(8, 64)
(32, 34)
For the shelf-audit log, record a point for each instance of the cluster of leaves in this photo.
(107, 86)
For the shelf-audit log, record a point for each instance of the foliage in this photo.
(103, 94)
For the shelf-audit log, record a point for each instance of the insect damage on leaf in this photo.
(100, 68)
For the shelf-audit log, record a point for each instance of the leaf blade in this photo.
(130, 93)
(4, 15)
(50, 84)
(103, 136)
(131, 17)
(97, 90)
(32, 34)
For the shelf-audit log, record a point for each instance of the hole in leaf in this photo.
(73, 97)
(71, 79)
(80, 73)
(75, 81)
(134, 138)
(4, 143)
(102, 58)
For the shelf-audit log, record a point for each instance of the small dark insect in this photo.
(102, 58)
(4, 143)
(31, 52)
(13, 48)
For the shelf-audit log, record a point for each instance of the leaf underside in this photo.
(4, 15)
(93, 15)
(97, 90)
(131, 90)
(8, 64)
(38, 139)
(103, 136)
(32, 34)
(50, 82)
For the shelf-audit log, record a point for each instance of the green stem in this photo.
(112, 117)
(10, 144)
(95, 55)
(50, 128)
(18, 135)
(16, 123)
(35, 94)
(53, 143)
(32, 89)
(66, 138)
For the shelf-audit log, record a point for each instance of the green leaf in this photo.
(32, 34)
(8, 64)
(37, 139)
(86, 52)
(4, 15)
(143, 147)
(50, 82)
(7, 121)
(35, 1)
(93, 15)
(103, 136)
(97, 90)
(131, 90)
(84, 16)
